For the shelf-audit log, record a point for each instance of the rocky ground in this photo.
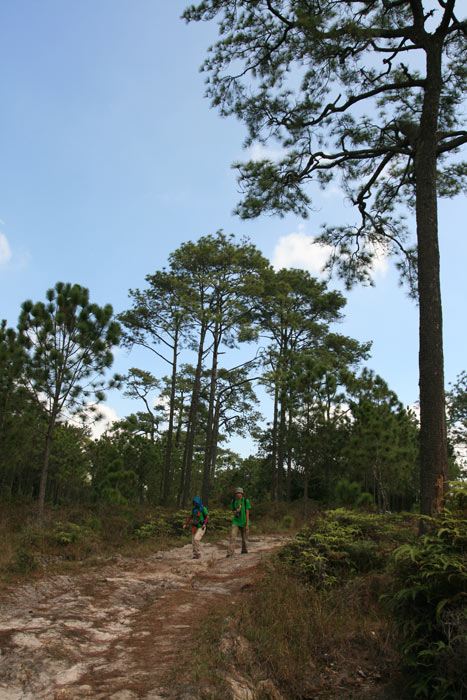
(126, 631)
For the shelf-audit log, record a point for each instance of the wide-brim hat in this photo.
(238, 490)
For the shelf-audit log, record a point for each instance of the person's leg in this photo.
(196, 542)
(233, 537)
(244, 540)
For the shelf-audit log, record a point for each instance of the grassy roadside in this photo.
(76, 537)
(314, 626)
(72, 538)
(326, 616)
(357, 606)
(287, 640)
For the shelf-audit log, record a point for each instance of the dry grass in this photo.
(306, 640)
(69, 539)
(309, 643)
(7, 545)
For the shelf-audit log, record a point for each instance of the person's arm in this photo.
(206, 517)
(247, 512)
(188, 520)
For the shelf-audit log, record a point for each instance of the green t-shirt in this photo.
(240, 515)
(202, 515)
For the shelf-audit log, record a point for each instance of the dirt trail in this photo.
(122, 632)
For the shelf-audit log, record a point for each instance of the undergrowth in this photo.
(83, 536)
(429, 603)
(301, 637)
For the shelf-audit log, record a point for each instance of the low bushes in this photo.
(219, 520)
(340, 543)
(426, 577)
(88, 533)
(429, 603)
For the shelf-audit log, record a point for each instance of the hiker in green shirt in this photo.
(241, 521)
(199, 519)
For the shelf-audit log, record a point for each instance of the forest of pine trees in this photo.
(234, 335)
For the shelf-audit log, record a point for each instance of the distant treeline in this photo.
(336, 432)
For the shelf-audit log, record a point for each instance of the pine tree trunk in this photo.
(193, 419)
(433, 442)
(215, 439)
(209, 428)
(274, 443)
(289, 454)
(282, 420)
(45, 469)
(305, 491)
(281, 449)
(168, 452)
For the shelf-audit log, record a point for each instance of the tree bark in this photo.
(210, 428)
(193, 419)
(45, 468)
(289, 452)
(282, 418)
(274, 444)
(215, 439)
(433, 441)
(168, 452)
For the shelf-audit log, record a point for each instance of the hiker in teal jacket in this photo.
(199, 517)
(241, 521)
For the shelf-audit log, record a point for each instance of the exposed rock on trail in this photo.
(123, 632)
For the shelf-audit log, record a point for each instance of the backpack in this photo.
(197, 517)
(198, 512)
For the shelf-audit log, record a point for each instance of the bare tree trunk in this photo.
(289, 455)
(282, 420)
(215, 439)
(193, 419)
(305, 491)
(274, 444)
(433, 441)
(209, 428)
(178, 432)
(168, 452)
(281, 452)
(45, 468)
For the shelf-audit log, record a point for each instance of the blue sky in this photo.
(111, 157)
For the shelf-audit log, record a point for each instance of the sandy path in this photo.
(122, 632)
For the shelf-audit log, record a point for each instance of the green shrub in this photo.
(219, 520)
(343, 543)
(24, 562)
(288, 521)
(69, 533)
(94, 523)
(176, 521)
(365, 501)
(347, 493)
(156, 527)
(429, 603)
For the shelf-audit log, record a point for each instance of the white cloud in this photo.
(299, 250)
(380, 265)
(259, 152)
(98, 427)
(334, 190)
(5, 250)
